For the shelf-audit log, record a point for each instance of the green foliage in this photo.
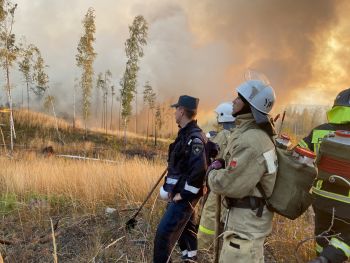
(8, 202)
(104, 82)
(27, 62)
(48, 101)
(85, 59)
(8, 48)
(40, 78)
(159, 118)
(133, 49)
(149, 96)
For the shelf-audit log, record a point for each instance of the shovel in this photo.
(217, 228)
(131, 223)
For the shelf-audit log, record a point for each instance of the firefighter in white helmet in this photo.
(206, 228)
(250, 158)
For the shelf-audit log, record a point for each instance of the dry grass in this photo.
(90, 183)
(34, 190)
(39, 119)
(86, 186)
(44, 121)
(286, 234)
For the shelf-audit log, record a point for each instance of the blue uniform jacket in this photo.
(187, 163)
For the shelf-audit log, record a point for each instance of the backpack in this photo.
(291, 194)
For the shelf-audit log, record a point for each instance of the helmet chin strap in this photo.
(244, 110)
(228, 125)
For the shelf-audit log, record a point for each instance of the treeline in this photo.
(301, 119)
(112, 106)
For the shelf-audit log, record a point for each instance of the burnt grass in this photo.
(26, 236)
(79, 237)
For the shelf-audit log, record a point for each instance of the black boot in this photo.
(186, 259)
(319, 260)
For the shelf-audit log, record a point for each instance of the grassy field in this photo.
(74, 195)
(54, 208)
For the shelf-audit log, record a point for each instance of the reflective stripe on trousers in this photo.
(206, 230)
(318, 248)
(330, 195)
(337, 243)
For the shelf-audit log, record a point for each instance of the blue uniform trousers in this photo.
(177, 224)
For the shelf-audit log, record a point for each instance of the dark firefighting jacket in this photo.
(328, 195)
(187, 163)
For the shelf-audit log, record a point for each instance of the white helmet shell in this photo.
(224, 112)
(259, 95)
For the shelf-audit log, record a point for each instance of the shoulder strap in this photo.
(261, 190)
(263, 193)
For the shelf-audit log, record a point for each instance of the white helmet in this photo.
(224, 112)
(259, 95)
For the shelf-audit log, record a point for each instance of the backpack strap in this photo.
(263, 193)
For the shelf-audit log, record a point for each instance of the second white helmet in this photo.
(224, 112)
(259, 95)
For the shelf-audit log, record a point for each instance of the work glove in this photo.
(217, 164)
(164, 195)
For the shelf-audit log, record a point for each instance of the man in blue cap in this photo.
(187, 165)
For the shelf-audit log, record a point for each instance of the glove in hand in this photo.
(217, 164)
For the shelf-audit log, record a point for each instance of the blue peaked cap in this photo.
(187, 102)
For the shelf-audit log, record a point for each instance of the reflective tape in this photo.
(335, 242)
(340, 198)
(171, 181)
(271, 161)
(317, 137)
(206, 230)
(338, 115)
(303, 144)
(191, 189)
(319, 184)
(318, 248)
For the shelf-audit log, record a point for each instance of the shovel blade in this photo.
(131, 223)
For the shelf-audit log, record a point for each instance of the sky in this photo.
(200, 48)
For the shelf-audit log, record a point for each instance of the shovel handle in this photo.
(150, 193)
(217, 228)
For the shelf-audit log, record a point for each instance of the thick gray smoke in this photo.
(201, 48)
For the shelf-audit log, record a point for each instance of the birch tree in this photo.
(8, 53)
(26, 65)
(40, 77)
(85, 59)
(158, 123)
(133, 49)
(149, 98)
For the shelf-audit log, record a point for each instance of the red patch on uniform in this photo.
(233, 163)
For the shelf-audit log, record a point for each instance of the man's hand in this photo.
(177, 197)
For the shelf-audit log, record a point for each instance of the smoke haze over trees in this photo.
(200, 48)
